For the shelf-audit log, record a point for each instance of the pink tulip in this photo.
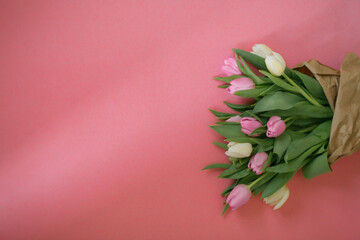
(230, 68)
(257, 162)
(239, 84)
(234, 119)
(249, 124)
(238, 196)
(275, 126)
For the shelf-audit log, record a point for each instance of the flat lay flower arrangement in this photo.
(301, 119)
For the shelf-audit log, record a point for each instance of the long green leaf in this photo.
(276, 183)
(295, 164)
(217, 165)
(268, 176)
(229, 78)
(221, 114)
(280, 82)
(237, 107)
(229, 131)
(277, 101)
(319, 165)
(225, 208)
(302, 110)
(281, 143)
(312, 85)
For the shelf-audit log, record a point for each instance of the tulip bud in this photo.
(230, 68)
(261, 50)
(249, 124)
(257, 162)
(240, 84)
(278, 198)
(275, 63)
(239, 150)
(275, 127)
(234, 119)
(238, 196)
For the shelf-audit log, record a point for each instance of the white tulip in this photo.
(278, 198)
(239, 150)
(261, 50)
(275, 63)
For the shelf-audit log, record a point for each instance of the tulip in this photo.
(234, 119)
(275, 63)
(238, 196)
(275, 127)
(257, 162)
(238, 150)
(261, 50)
(278, 198)
(240, 84)
(249, 124)
(230, 68)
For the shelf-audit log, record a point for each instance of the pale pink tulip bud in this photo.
(240, 84)
(234, 119)
(230, 68)
(238, 196)
(249, 124)
(275, 126)
(257, 162)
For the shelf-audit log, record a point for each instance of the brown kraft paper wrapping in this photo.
(342, 89)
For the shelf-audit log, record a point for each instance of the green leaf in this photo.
(311, 84)
(228, 123)
(281, 143)
(278, 100)
(268, 176)
(225, 208)
(268, 161)
(221, 114)
(248, 179)
(323, 130)
(259, 189)
(306, 122)
(257, 80)
(259, 130)
(302, 110)
(262, 148)
(319, 165)
(258, 61)
(238, 175)
(223, 86)
(229, 78)
(252, 140)
(239, 108)
(231, 170)
(229, 131)
(276, 183)
(255, 60)
(280, 82)
(217, 165)
(230, 188)
(251, 93)
(295, 164)
(222, 145)
(300, 145)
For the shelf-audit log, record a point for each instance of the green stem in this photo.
(307, 129)
(258, 179)
(302, 92)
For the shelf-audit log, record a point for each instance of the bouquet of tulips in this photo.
(300, 119)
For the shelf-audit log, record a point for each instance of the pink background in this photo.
(104, 119)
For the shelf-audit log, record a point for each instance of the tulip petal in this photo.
(283, 200)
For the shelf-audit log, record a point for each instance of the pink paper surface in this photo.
(104, 125)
